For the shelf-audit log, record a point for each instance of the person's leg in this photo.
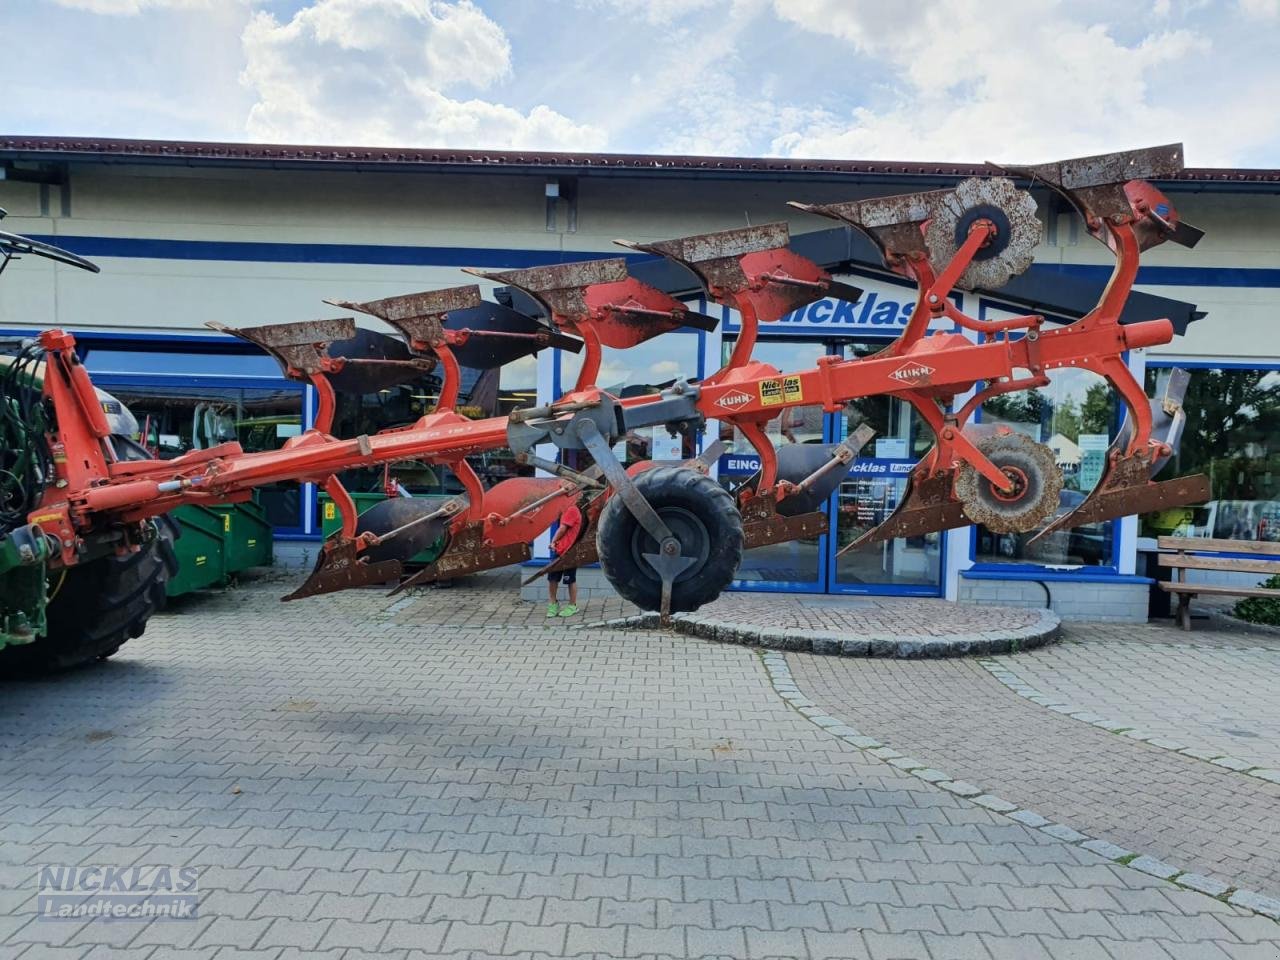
(570, 581)
(553, 602)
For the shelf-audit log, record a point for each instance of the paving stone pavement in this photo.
(956, 716)
(1202, 694)
(867, 615)
(356, 776)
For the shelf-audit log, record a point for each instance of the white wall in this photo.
(491, 211)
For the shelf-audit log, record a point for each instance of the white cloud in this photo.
(130, 8)
(947, 80)
(382, 71)
(661, 12)
(1261, 9)
(696, 92)
(1021, 84)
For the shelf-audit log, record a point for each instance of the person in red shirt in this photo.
(566, 536)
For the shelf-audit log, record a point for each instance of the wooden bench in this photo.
(1186, 555)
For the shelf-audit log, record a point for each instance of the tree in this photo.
(1231, 415)
(1096, 414)
(1024, 406)
(1066, 420)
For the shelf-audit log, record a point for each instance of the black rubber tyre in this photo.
(703, 517)
(98, 607)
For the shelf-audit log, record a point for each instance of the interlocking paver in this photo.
(1212, 691)
(457, 777)
(1128, 793)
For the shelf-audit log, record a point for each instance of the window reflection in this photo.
(637, 371)
(1075, 416)
(796, 561)
(866, 499)
(1230, 436)
(481, 394)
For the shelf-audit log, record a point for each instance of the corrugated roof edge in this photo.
(36, 148)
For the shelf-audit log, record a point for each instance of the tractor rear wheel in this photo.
(703, 517)
(98, 606)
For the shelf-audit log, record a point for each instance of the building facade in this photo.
(245, 235)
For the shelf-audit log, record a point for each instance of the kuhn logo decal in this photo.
(735, 399)
(912, 372)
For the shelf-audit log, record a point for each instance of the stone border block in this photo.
(829, 643)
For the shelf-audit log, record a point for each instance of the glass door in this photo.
(872, 491)
(869, 494)
(798, 565)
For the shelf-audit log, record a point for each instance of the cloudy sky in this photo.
(956, 80)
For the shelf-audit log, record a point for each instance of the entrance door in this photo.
(871, 492)
(798, 565)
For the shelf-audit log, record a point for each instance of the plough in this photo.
(668, 536)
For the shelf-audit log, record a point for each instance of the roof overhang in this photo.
(34, 151)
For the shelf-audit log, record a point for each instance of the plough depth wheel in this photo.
(1037, 483)
(700, 514)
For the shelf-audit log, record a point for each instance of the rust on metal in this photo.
(1095, 185)
(466, 553)
(764, 531)
(1038, 484)
(1149, 163)
(559, 287)
(419, 316)
(1011, 213)
(927, 505)
(581, 554)
(340, 567)
(893, 224)
(629, 312)
(1127, 488)
(298, 347)
(715, 257)
(763, 525)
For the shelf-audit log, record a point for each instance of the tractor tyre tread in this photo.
(635, 581)
(99, 607)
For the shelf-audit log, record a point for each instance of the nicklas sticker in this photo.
(912, 372)
(770, 392)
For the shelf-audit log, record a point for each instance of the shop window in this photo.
(871, 492)
(1076, 415)
(1231, 436)
(636, 371)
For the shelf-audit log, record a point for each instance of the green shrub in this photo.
(1261, 609)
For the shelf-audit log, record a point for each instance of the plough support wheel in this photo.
(1036, 485)
(702, 517)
